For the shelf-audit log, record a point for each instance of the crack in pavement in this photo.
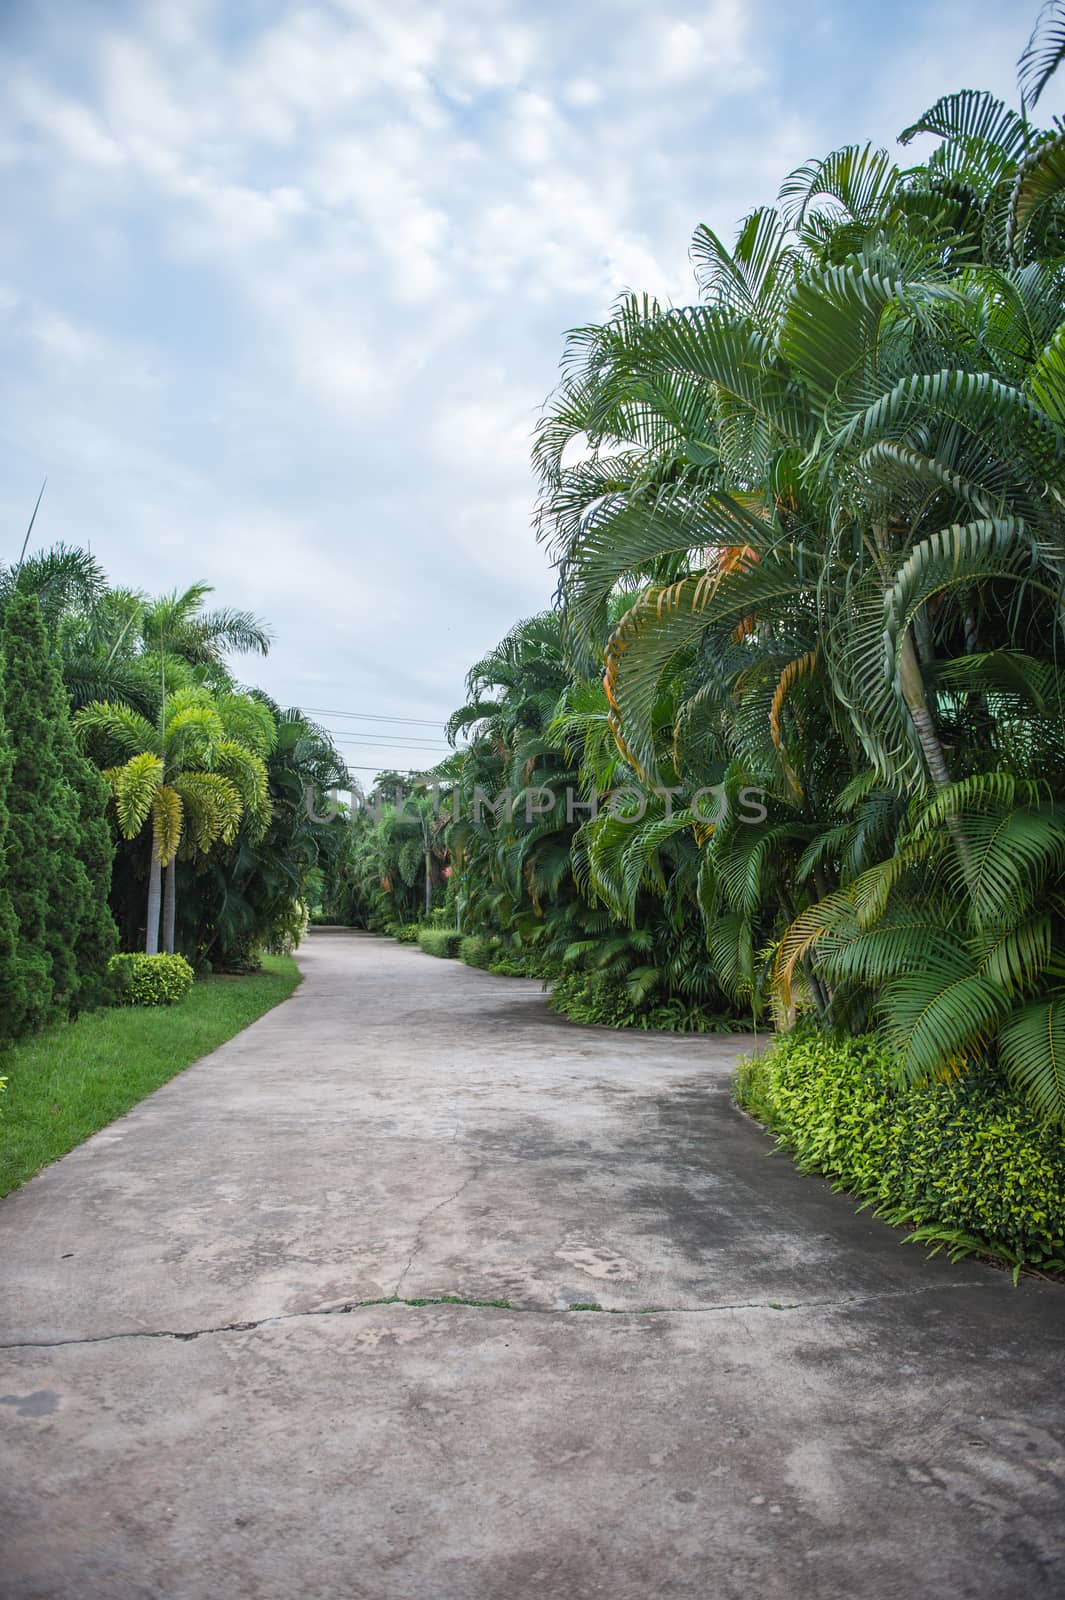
(581, 1308)
(416, 1245)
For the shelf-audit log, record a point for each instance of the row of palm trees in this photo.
(809, 535)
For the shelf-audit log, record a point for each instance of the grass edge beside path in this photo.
(70, 1082)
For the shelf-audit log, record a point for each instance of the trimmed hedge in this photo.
(141, 980)
(965, 1162)
(439, 941)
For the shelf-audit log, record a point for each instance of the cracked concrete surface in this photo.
(439, 1206)
(305, 1323)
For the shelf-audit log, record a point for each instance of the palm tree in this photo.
(177, 624)
(62, 578)
(119, 645)
(255, 890)
(1043, 54)
(831, 495)
(194, 774)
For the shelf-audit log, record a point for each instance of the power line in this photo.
(373, 716)
(417, 737)
(399, 744)
(362, 766)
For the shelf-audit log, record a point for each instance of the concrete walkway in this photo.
(205, 1391)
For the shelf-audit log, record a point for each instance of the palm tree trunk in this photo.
(911, 679)
(169, 906)
(921, 629)
(911, 683)
(155, 879)
(913, 692)
(428, 883)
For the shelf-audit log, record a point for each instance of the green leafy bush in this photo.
(242, 956)
(289, 929)
(141, 980)
(525, 963)
(478, 950)
(511, 965)
(606, 1000)
(439, 941)
(964, 1161)
(404, 932)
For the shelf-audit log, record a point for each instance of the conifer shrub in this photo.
(96, 939)
(12, 973)
(57, 850)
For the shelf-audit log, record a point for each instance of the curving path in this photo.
(231, 1365)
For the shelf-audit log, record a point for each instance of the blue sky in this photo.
(283, 286)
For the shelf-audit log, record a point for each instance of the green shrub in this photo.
(405, 932)
(525, 962)
(439, 941)
(141, 980)
(511, 964)
(478, 950)
(965, 1162)
(605, 999)
(242, 956)
(289, 929)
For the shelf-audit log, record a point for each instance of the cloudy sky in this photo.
(283, 285)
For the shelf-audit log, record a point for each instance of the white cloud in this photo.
(582, 92)
(377, 178)
(679, 51)
(287, 293)
(712, 41)
(80, 134)
(534, 131)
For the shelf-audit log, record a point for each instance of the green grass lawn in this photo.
(66, 1083)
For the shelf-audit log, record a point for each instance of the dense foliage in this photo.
(965, 1161)
(391, 866)
(805, 662)
(145, 798)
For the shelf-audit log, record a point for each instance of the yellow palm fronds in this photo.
(134, 785)
(167, 819)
